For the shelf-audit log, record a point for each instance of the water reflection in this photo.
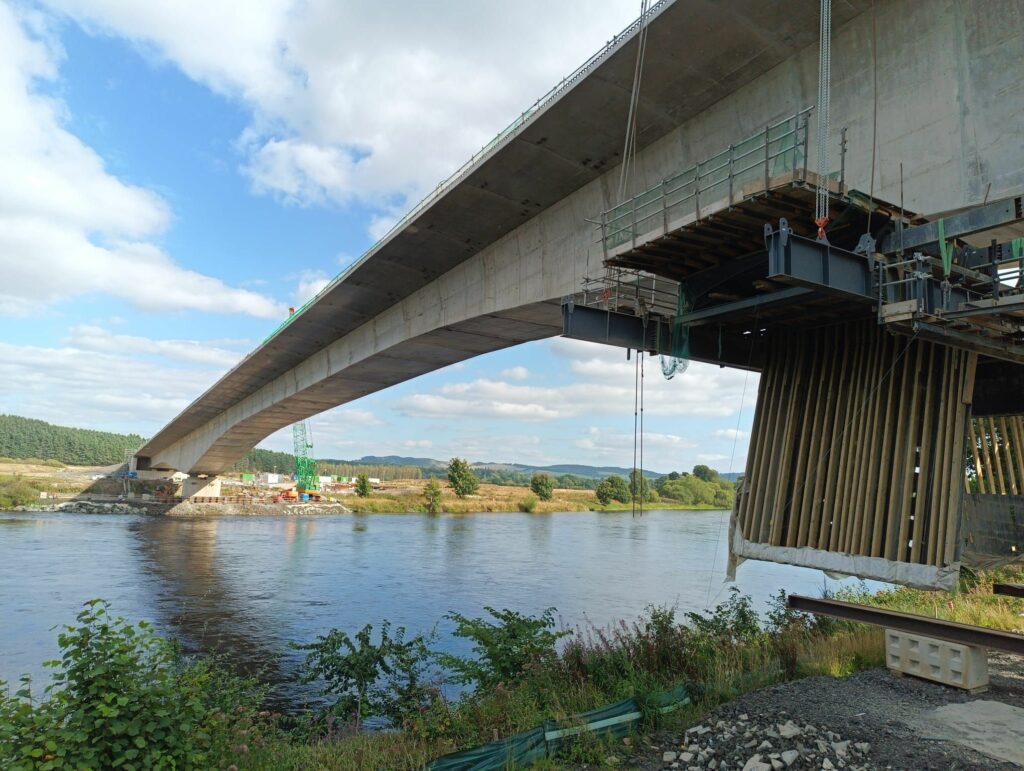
(248, 586)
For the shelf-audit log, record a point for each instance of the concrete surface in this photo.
(990, 727)
(485, 265)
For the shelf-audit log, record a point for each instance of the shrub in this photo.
(432, 495)
(363, 486)
(543, 486)
(504, 649)
(461, 477)
(123, 697)
(367, 679)
(613, 488)
(527, 505)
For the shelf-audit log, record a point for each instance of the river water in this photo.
(246, 586)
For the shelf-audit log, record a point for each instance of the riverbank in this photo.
(733, 663)
(746, 676)
(35, 485)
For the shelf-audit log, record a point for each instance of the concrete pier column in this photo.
(207, 487)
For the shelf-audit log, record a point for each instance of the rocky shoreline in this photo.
(185, 509)
(86, 507)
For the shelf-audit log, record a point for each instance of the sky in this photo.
(175, 174)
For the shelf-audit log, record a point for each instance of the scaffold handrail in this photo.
(779, 147)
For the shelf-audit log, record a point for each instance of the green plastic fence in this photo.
(614, 720)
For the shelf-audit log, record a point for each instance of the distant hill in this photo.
(30, 438)
(590, 472)
(388, 466)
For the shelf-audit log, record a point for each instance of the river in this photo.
(246, 586)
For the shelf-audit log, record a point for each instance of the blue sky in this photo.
(177, 174)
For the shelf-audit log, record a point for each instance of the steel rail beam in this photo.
(964, 634)
(1008, 590)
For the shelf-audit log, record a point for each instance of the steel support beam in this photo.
(817, 265)
(987, 307)
(971, 222)
(794, 295)
(965, 634)
(707, 344)
(988, 346)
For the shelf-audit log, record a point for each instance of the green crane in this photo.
(306, 479)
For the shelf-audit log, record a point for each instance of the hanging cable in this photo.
(629, 144)
(824, 99)
(636, 426)
(640, 481)
(874, 113)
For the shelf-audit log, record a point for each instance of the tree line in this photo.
(23, 438)
(703, 487)
(259, 460)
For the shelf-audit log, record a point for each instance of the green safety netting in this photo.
(615, 720)
(677, 359)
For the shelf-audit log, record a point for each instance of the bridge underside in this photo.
(408, 359)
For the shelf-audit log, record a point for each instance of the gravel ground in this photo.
(867, 721)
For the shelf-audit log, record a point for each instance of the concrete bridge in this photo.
(929, 94)
(484, 263)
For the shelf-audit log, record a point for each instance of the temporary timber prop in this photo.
(855, 460)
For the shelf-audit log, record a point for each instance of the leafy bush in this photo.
(121, 697)
(503, 650)
(733, 622)
(432, 495)
(613, 488)
(461, 477)
(543, 486)
(384, 679)
(363, 486)
(527, 505)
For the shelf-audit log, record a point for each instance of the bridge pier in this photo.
(207, 487)
(856, 460)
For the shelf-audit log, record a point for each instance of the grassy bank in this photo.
(407, 496)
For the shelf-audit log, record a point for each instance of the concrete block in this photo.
(961, 666)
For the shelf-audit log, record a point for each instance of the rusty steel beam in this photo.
(965, 634)
(1009, 590)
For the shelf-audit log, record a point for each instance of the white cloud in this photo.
(605, 444)
(87, 387)
(378, 101)
(310, 282)
(515, 373)
(67, 226)
(87, 337)
(604, 385)
(732, 433)
(417, 444)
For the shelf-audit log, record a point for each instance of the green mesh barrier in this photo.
(615, 720)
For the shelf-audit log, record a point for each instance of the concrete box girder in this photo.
(714, 74)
